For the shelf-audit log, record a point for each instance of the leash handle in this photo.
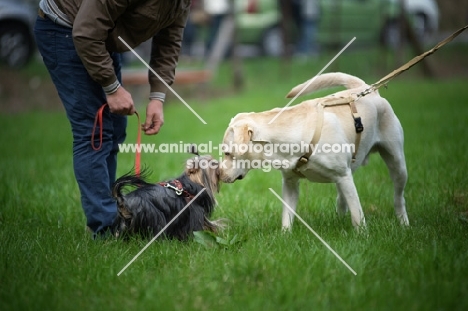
(138, 148)
(98, 120)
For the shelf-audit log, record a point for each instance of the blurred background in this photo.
(223, 37)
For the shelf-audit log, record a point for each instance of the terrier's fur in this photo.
(151, 206)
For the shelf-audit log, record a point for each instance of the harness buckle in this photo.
(303, 160)
(177, 190)
(358, 125)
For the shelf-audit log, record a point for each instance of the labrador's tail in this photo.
(325, 81)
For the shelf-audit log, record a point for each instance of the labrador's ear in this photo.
(257, 135)
(243, 134)
(248, 132)
(236, 138)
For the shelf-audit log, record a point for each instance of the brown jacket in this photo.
(97, 25)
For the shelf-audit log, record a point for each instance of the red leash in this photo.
(98, 120)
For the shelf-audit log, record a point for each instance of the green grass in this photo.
(49, 262)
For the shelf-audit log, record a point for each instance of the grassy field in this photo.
(49, 262)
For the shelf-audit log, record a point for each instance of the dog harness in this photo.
(176, 185)
(328, 102)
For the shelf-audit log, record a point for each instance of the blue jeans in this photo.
(82, 97)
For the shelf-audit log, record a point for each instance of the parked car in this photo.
(340, 20)
(16, 32)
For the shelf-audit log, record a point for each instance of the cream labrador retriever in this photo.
(276, 138)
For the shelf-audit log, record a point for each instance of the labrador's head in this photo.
(242, 146)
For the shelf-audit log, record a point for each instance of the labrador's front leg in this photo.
(290, 197)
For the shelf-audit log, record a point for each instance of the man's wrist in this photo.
(111, 89)
(157, 96)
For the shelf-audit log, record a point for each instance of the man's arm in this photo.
(165, 49)
(92, 24)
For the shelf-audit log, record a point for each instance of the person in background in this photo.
(191, 30)
(80, 42)
(217, 10)
(308, 16)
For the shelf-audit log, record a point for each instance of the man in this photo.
(80, 45)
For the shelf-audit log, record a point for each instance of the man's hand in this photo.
(121, 102)
(154, 117)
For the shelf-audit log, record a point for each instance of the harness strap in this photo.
(328, 102)
(358, 126)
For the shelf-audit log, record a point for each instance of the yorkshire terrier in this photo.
(147, 209)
